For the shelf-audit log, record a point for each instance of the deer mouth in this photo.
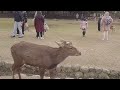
(78, 54)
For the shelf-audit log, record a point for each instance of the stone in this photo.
(78, 75)
(76, 68)
(114, 74)
(92, 69)
(84, 69)
(72, 75)
(119, 74)
(103, 76)
(63, 76)
(67, 68)
(9, 66)
(106, 71)
(90, 75)
(2, 63)
(69, 78)
(99, 70)
(59, 68)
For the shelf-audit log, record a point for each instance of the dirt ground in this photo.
(95, 52)
(25, 77)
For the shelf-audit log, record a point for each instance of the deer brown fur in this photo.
(42, 56)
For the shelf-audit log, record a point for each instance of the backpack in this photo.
(108, 20)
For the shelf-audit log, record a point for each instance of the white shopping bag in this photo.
(46, 27)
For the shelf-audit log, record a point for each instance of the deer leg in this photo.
(42, 72)
(18, 70)
(19, 73)
(52, 73)
(13, 71)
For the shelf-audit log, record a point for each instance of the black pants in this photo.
(76, 19)
(22, 29)
(98, 26)
(84, 32)
(39, 34)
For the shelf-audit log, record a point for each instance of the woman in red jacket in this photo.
(39, 24)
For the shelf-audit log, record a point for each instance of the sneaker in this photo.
(42, 38)
(38, 37)
(13, 36)
(20, 37)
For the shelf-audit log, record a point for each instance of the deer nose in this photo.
(79, 53)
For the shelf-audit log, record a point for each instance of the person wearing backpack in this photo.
(106, 23)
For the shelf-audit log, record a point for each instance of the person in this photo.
(106, 23)
(46, 27)
(99, 22)
(94, 16)
(39, 24)
(84, 26)
(82, 17)
(34, 15)
(24, 22)
(18, 20)
(77, 17)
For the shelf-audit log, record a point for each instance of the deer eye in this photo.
(70, 48)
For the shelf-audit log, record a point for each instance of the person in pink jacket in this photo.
(84, 26)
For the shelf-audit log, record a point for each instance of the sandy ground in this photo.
(95, 52)
(27, 77)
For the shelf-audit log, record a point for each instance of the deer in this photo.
(42, 56)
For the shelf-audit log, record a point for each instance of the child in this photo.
(84, 26)
(46, 27)
(112, 28)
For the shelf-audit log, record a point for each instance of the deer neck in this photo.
(61, 55)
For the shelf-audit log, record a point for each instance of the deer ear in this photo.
(69, 43)
(59, 44)
(63, 41)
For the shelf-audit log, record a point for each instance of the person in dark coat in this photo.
(82, 17)
(39, 24)
(24, 22)
(99, 23)
(18, 20)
